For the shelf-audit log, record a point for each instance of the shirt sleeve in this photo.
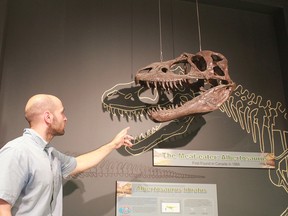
(68, 163)
(13, 173)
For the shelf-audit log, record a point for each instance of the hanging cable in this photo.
(172, 27)
(198, 24)
(132, 42)
(160, 31)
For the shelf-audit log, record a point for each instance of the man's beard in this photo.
(56, 131)
(59, 133)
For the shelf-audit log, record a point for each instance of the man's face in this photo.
(59, 121)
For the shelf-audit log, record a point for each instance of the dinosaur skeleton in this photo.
(264, 121)
(206, 73)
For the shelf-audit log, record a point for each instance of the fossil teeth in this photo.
(175, 84)
(147, 83)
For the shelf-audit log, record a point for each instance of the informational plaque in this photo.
(166, 199)
(170, 157)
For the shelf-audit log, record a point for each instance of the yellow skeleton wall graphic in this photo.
(262, 120)
(201, 82)
(112, 168)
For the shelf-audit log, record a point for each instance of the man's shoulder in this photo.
(15, 141)
(19, 143)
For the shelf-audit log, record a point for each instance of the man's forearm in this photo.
(91, 159)
(5, 208)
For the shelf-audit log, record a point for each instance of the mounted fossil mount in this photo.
(205, 74)
(183, 89)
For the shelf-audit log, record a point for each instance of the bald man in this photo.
(31, 170)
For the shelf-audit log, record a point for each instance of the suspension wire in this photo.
(172, 26)
(132, 42)
(160, 31)
(198, 25)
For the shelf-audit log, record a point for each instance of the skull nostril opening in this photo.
(164, 70)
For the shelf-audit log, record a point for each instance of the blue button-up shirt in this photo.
(31, 175)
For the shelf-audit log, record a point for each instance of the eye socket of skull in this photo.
(218, 71)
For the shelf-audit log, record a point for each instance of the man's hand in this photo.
(122, 138)
(91, 159)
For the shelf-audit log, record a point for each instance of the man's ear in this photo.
(48, 117)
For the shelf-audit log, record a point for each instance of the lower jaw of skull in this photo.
(206, 102)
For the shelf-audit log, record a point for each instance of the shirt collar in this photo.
(36, 137)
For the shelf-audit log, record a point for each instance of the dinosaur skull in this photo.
(205, 74)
